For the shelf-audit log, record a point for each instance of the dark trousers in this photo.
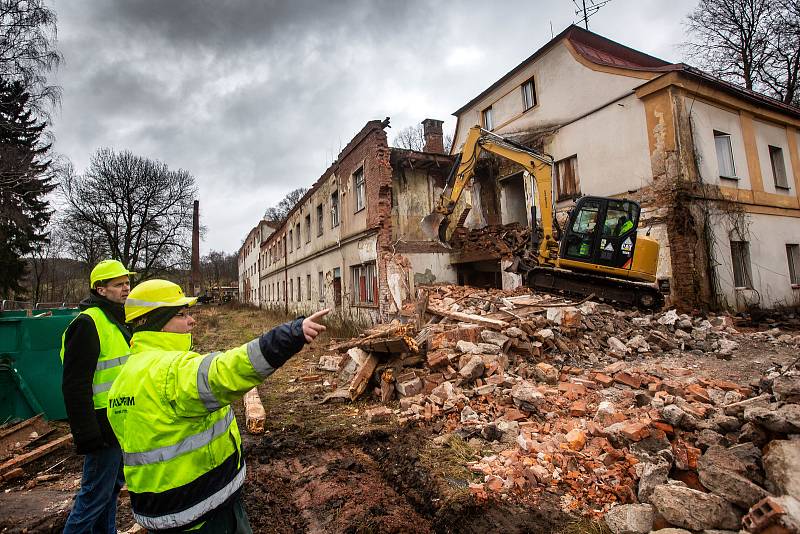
(95, 507)
(232, 519)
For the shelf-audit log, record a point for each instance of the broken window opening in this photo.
(334, 209)
(567, 181)
(365, 284)
(319, 220)
(487, 118)
(308, 228)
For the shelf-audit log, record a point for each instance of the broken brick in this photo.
(628, 379)
(635, 431)
(696, 392)
(578, 408)
(576, 439)
(603, 379)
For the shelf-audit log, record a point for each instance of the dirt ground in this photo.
(323, 468)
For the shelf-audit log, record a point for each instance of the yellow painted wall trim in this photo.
(794, 157)
(660, 121)
(751, 150)
(619, 71)
(696, 87)
(759, 198)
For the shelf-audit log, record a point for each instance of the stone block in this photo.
(410, 388)
(544, 372)
(782, 467)
(630, 519)
(472, 370)
(692, 509)
(782, 418)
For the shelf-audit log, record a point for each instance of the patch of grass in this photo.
(585, 526)
(449, 462)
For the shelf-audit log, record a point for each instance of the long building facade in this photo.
(352, 243)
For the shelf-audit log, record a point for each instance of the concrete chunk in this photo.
(630, 519)
(692, 509)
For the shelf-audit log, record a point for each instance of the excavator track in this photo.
(581, 285)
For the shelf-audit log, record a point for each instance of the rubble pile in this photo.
(559, 397)
(510, 240)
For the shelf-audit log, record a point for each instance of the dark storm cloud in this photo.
(255, 98)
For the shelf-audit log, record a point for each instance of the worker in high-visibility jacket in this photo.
(93, 349)
(170, 409)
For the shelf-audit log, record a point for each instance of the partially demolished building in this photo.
(715, 166)
(353, 242)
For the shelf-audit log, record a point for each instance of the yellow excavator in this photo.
(599, 253)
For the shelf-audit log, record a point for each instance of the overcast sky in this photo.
(256, 97)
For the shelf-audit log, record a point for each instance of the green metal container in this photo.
(30, 365)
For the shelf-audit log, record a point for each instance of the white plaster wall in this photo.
(350, 254)
(771, 134)
(435, 266)
(705, 119)
(565, 90)
(768, 237)
(612, 148)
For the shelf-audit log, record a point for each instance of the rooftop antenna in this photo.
(587, 11)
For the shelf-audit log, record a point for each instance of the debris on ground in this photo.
(563, 396)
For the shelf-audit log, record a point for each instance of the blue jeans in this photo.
(95, 506)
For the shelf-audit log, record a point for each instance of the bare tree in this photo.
(731, 38)
(279, 212)
(140, 209)
(27, 47)
(781, 68)
(754, 43)
(410, 138)
(220, 268)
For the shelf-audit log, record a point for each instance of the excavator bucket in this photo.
(434, 226)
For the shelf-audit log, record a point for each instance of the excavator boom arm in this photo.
(538, 165)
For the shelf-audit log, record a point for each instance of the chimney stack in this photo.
(434, 140)
(195, 282)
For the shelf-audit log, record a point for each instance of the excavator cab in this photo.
(600, 236)
(602, 231)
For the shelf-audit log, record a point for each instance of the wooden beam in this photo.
(23, 459)
(361, 380)
(495, 324)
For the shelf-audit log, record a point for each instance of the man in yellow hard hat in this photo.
(170, 409)
(93, 349)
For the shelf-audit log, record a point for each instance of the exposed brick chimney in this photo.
(434, 140)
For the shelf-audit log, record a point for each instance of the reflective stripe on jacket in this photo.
(181, 445)
(113, 353)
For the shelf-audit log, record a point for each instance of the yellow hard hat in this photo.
(106, 270)
(154, 294)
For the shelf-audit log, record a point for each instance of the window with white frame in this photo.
(793, 255)
(778, 167)
(359, 186)
(334, 209)
(722, 143)
(365, 284)
(528, 95)
(487, 118)
(740, 255)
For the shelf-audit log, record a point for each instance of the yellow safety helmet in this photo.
(106, 270)
(154, 294)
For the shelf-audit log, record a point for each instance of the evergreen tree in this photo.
(24, 182)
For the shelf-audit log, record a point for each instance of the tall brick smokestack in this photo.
(434, 140)
(195, 289)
